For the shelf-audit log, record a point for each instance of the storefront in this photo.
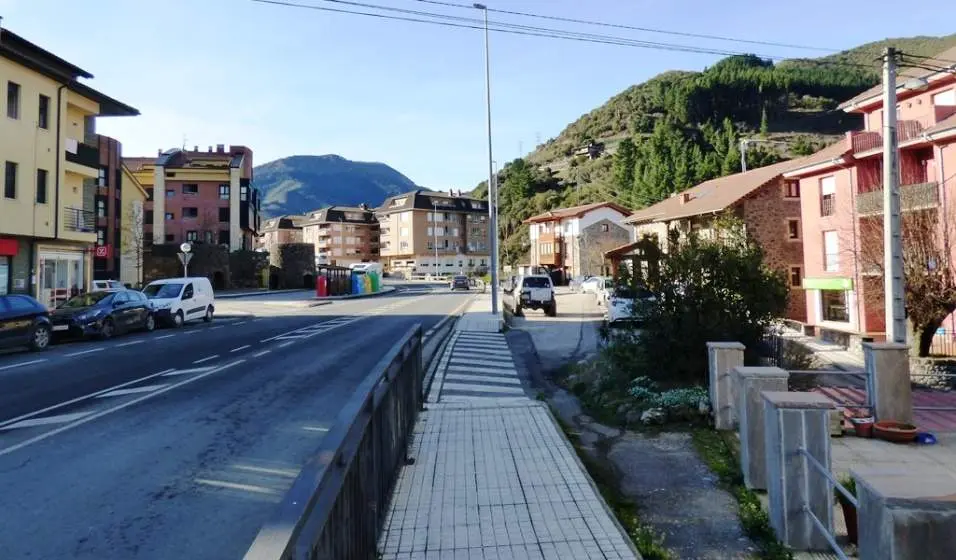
(9, 247)
(63, 273)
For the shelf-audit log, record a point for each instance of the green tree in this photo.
(764, 123)
(622, 172)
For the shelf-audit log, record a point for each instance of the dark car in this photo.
(103, 314)
(24, 321)
(460, 283)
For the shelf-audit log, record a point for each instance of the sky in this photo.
(288, 81)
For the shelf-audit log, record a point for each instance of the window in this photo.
(404, 232)
(43, 115)
(170, 216)
(430, 217)
(791, 189)
(102, 175)
(831, 251)
(455, 232)
(170, 193)
(223, 237)
(100, 208)
(447, 216)
(13, 100)
(793, 229)
(946, 98)
(403, 244)
(834, 306)
(101, 237)
(42, 177)
(192, 235)
(796, 277)
(446, 243)
(604, 228)
(10, 180)
(190, 213)
(243, 194)
(149, 194)
(223, 214)
(190, 189)
(827, 195)
(169, 238)
(404, 216)
(148, 217)
(188, 291)
(223, 192)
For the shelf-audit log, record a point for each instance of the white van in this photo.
(365, 268)
(179, 300)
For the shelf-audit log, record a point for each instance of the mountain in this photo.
(298, 184)
(681, 128)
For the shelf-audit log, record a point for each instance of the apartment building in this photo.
(278, 231)
(425, 232)
(572, 241)
(343, 235)
(200, 196)
(841, 191)
(768, 205)
(51, 168)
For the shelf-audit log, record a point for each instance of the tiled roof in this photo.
(943, 59)
(424, 200)
(339, 214)
(711, 196)
(830, 153)
(575, 212)
(945, 124)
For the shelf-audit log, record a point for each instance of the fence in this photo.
(944, 343)
(336, 506)
(827, 533)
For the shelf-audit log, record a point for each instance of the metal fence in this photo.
(337, 504)
(944, 343)
(811, 461)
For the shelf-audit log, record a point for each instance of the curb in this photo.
(382, 292)
(256, 294)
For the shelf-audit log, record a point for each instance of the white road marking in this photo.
(480, 389)
(290, 473)
(84, 352)
(240, 348)
(218, 327)
(315, 429)
(21, 364)
(240, 323)
(130, 391)
(464, 378)
(116, 408)
(46, 421)
(467, 369)
(206, 359)
(236, 486)
(260, 354)
(284, 344)
(164, 336)
(178, 372)
(129, 343)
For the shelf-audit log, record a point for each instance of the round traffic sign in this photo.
(185, 247)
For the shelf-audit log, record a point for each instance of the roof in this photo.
(575, 212)
(196, 159)
(944, 59)
(945, 124)
(291, 221)
(711, 196)
(425, 200)
(341, 214)
(831, 153)
(138, 163)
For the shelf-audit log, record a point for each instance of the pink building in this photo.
(842, 200)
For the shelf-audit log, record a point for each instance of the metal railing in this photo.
(337, 504)
(82, 154)
(917, 196)
(78, 219)
(827, 205)
(827, 534)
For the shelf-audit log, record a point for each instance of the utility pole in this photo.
(892, 227)
(492, 196)
(435, 232)
(494, 177)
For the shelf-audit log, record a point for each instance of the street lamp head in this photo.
(479, 6)
(916, 84)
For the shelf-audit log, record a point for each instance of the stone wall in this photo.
(211, 261)
(591, 244)
(292, 266)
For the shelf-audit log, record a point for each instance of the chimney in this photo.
(195, 148)
(220, 148)
(210, 149)
(459, 192)
(159, 151)
(686, 197)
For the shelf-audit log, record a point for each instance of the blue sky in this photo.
(287, 81)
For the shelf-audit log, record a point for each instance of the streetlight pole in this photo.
(435, 232)
(497, 237)
(493, 189)
(892, 227)
(743, 149)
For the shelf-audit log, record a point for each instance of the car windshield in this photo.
(85, 300)
(162, 291)
(461, 278)
(536, 282)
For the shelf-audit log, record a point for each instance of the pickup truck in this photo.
(533, 292)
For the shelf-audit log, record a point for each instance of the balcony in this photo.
(82, 154)
(553, 259)
(77, 219)
(912, 197)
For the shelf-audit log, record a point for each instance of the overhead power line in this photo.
(632, 27)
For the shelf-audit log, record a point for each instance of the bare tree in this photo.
(134, 238)
(593, 245)
(208, 226)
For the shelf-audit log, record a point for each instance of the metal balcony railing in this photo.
(82, 154)
(919, 196)
(77, 219)
(827, 205)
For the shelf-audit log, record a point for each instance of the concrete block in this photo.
(796, 421)
(723, 357)
(749, 382)
(887, 368)
(906, 513)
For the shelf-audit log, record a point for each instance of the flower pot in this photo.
(849, 516)
(863, 427)
(896, 432)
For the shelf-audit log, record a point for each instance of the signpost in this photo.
(184, 257)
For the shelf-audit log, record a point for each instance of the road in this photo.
(179, 443)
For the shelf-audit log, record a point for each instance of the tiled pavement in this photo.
(494, 477)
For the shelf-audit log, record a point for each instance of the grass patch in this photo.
(648, 542)
(718, 455)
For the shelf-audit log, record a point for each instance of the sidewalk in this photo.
(830, 354)
(493, 477)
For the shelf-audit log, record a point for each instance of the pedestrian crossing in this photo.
(477, 366)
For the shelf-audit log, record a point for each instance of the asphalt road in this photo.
(179, 443)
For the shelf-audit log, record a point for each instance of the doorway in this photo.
(62, 276)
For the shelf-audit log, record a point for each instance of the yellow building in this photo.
(50, 171)
(133, 235)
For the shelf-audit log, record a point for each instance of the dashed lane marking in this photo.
(284, 344)
(46, 421)
(130, 343)
(130, 391)
(261, 354)
(90, 351)
(164, 336)
(178, 372)
(240, 348)
(21, 364)
(206, 359)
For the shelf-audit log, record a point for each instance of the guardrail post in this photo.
(796, 421)
(906, 512)
(749, 382)
(888, 380)
(722, 358)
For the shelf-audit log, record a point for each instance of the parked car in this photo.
(103, 314)
(460, 283)
(604, 291)
(24, 321)
(574, 284)
(107, 285)
(177, 301)
(627, 304)
(591, 284)
(533, 292)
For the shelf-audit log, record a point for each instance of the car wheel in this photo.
(108, 329)
(178, 319)
(150, 324)
(208, 317)
(41, 338)
(518, 312)
(552, 310)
